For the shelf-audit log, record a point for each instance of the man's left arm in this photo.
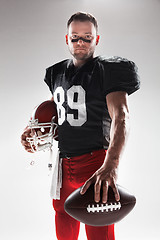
(106, 175)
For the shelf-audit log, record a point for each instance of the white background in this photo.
(31, 39)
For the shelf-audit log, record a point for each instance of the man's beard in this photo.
(80, 56)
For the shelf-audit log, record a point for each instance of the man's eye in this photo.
(88, 36)
(74, 36)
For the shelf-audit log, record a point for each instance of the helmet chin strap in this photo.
(81, 38)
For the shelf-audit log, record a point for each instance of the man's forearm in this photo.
(118, 136)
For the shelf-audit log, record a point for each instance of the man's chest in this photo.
(76, 96)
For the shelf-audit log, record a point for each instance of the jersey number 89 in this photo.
(75, 100)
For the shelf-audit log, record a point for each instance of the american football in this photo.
(84, 209)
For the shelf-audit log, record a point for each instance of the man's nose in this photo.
(80, 42)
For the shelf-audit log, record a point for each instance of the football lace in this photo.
(103, 207)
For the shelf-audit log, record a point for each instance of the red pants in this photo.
(76, 170)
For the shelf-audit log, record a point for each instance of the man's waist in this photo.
(76, 154)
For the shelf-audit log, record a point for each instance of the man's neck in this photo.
(78, 63)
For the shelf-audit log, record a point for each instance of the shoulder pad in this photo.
(117, 61)
(114, 59)
(57, 67)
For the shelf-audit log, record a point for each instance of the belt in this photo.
(69, 155)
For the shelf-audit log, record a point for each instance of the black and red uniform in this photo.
(84, 125)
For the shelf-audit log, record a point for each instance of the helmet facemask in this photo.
(42, 134)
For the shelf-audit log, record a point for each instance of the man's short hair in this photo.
(82, 17)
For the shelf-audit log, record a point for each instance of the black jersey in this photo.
(80, 96)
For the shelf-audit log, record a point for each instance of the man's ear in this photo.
(97, 39)
(66, 39)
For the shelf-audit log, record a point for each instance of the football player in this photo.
(91, 96)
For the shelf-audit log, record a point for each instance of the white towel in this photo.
(56, 178)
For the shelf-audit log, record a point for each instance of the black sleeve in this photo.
(120, 75)
(48, 79)
(53, 71)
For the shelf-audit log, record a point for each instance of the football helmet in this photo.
(44, 126)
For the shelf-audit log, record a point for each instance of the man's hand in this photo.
(25, 143)
(104, 177)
